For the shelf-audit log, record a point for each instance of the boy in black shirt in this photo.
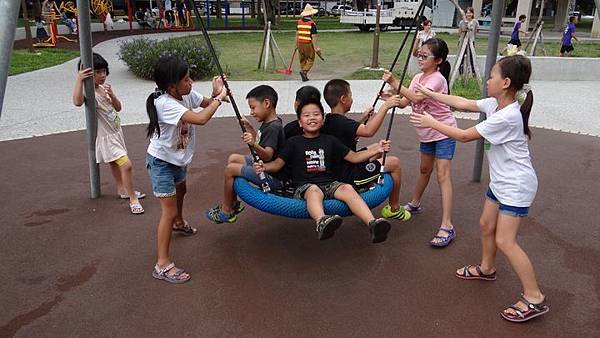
(312, 156)
(269, 139)
(302, 94)
(338, 96)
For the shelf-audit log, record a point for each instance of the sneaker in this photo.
(327, 226)
(401, 214)
(217, 216)
(237, 207)
(413, 209)
(379, 229)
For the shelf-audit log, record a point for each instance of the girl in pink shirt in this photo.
(436, 148)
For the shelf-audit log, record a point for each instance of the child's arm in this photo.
(271, 167)
(365, 155)
(113, 98)
(249, 137)
(203, 116)
(460, 103)
(78, 98)
(409, 95)
(462, 135)
(369, 129)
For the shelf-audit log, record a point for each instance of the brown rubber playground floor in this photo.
(73, 266)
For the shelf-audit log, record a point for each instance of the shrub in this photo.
(141, 54)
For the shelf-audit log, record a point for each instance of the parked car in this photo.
(338, 9)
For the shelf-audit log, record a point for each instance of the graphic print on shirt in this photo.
(315, 160)
(183, 135)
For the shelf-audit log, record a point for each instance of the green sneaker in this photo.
(217, 216)
(401, 214)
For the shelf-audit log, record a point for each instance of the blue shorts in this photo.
(249, 173)
(507, 209)
(441, 149)
(164, 176)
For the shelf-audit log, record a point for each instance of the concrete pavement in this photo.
(39, 102)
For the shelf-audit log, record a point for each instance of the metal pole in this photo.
(490, 60)
(7, 37)
(85, 49)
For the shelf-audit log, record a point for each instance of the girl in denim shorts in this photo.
(172, 140)
(436, 148)
(513, 182)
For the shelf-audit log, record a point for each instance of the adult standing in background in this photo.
(306, 40)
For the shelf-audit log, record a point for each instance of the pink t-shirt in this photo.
(440, 111)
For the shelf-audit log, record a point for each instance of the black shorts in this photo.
(328, 189)
(361, 173)
(516, 42)
(566, 49)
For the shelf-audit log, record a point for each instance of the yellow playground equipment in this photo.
(52, 18)
(101, 7)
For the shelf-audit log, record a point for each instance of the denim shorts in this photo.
(164, 176)
(249, 173)
(441, 149)
(507, 209)
(328, 189)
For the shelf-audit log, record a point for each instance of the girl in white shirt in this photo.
(171, 130)
(513, 181)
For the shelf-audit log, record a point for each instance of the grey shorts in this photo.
(328, 189)
(250, 174)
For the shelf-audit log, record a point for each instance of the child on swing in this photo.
(513, 182)
(338, 96)
(312, 157)
(110, 142)
(303, 93)
(267, 142)
(436, 148)
(172, 139)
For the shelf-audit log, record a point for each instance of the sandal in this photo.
(466, 274)
(138, 194)
(520, 315)
(451, 234)
(136, 208)
(185, 229)
(175, 278)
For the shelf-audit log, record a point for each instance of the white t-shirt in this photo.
(512, 177)
(423, 36)
(168, 5)
(177, 138)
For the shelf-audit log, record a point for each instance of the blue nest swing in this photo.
(296, 208)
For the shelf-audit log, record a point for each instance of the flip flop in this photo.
(138, 194)
(136, 208)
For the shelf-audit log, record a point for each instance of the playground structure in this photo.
(52, 20)
(102, 8)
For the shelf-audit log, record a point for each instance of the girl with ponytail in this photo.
(172, 139)
(513, 182)
(436, 148)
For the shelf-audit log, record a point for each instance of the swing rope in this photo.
(265, 186)
(420, 11)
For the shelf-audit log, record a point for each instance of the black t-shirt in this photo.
(312, 160)
(270, 134)
(343, 128)
(292, 129)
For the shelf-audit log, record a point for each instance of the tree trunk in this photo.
(37, 8)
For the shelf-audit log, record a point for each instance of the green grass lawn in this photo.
(23, 61)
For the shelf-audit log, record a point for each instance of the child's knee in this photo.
(236, 158)
(486, 227)
(443, 173)
(313, 192)
(425, 169)
(392, 164)
(505, 244)
(233, 169)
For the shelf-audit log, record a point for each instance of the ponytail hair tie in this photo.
(158, 93)
(522, 93)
